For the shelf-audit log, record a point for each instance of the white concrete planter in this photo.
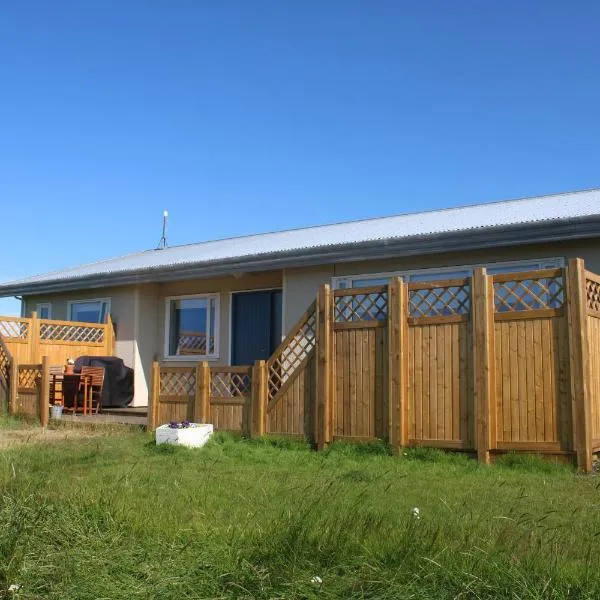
(192, 437)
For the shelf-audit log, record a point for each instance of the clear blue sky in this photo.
(249, 116)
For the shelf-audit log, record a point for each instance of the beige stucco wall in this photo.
(145, 334)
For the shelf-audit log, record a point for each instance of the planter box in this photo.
(192, 437)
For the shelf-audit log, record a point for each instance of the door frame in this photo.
(231, 294)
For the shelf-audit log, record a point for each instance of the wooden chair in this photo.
(92, 378)
(56, 385)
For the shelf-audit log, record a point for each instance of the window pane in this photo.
(192, 327)
(358, 283)
(437, 276)
(43, 311)
(88, 312)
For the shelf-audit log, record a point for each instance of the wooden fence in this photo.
(28, 346)
(28, 339)
(486, 364)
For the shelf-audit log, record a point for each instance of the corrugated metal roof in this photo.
(560, 207)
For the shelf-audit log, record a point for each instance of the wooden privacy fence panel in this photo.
(440, 365)
(360, 359)
(592, 294)
(485, 364)
(532, 397)
(291, 411)
(218, 395)
(175, 394)
(29, 379)
(230, 398)
(291, 381)
(29, 339)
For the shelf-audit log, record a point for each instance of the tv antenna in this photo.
(163, 240)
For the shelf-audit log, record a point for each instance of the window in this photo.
(89, 311)
(44, 310)
(192, 326)
(444, 273)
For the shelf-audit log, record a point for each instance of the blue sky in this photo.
(241, 117)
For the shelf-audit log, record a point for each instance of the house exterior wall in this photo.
(301, 284)
(121, 310)
(147, 327)
(139, 311)
(222, 285)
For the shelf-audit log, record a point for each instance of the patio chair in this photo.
(56, 385)
(95, 385)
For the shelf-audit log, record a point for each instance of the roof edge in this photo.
(489, 237)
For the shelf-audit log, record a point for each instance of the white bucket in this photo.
(56, 411)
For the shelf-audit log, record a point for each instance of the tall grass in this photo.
(119, 518)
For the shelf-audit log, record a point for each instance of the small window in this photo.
(89, 311)
(44, 310)
(192, 327)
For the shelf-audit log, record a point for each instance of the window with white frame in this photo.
(44, 310)
(458, 272)
(89, 311)
(192, 327)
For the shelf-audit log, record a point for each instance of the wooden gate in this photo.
(440, 364)
(360, 349)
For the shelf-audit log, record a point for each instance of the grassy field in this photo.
(117, 517)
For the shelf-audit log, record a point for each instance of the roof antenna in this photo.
(163, 240)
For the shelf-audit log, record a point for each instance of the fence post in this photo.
(154, 396)
(14, 386)
(483, 361)
(109, 333)
(323, 421)
(259, 398)
(202, 404)
(580, 366)
(397, 371)
(34, 338)
(44, 397)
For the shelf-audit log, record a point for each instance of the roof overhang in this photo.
(456, 241)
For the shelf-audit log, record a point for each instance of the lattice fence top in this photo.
(178, 383)
(367, 306)
(84, 334)
(441, 301)
(296, 349)
(230, 385)
(4, 365)
(14, 329)
(592, 291)
(529, 294)
(29, 377)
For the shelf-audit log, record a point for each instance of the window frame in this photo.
(217, 333)
(40, 305)
(346, 282)
(71, 303)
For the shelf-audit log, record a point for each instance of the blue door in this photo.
(255, 326)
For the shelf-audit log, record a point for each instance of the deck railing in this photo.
(486, 364)
(28, 346)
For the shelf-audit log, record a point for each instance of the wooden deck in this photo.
(121, 416)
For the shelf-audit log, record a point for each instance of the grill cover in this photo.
(118, 379)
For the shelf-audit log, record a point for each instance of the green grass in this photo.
(118, 517)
